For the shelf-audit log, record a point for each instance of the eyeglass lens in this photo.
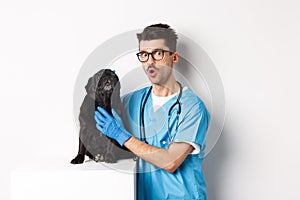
(156, 55)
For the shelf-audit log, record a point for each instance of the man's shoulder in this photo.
(189, 96)
(192, 101)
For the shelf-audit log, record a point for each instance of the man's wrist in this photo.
(123, 137)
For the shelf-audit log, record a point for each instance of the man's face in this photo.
(160, 71)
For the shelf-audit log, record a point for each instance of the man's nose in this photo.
(150, 59)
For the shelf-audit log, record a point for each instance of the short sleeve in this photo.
(193, 126)
(196, 147)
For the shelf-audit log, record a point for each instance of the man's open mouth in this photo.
(152, 72)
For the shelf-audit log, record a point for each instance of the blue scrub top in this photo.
(187, 182)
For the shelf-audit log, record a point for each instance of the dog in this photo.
(103, 89)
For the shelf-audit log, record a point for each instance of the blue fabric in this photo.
(187, 182)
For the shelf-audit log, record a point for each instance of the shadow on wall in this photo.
(212, 168)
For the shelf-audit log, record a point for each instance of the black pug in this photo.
(103, 89)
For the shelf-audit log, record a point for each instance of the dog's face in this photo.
(108, 82)
(103, 83)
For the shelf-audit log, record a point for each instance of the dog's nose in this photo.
(108, 81)
(107, 85)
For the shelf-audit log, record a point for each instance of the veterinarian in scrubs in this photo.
(167, 124)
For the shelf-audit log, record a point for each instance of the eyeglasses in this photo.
(157, 54)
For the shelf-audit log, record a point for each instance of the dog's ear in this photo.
(90, 86)
(115, 97)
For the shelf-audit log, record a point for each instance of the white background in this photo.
(253, 43)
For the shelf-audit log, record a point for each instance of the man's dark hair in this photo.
(160, 31)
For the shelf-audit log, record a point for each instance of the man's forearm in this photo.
(168, 160)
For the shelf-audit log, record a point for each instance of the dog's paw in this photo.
(78, 159)
(99, 158)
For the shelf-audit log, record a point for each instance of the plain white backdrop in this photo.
(253, 43)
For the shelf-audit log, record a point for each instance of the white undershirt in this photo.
(160, 101)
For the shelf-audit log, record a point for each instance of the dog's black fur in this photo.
(103, 89)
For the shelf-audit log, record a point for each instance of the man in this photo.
(167, 124)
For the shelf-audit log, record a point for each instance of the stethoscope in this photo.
(143, 133)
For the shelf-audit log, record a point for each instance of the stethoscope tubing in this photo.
(143, 132)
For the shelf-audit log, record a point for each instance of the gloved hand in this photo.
(109, 126)
(118, 119)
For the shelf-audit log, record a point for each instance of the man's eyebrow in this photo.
(152, 50)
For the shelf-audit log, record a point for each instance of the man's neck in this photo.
(165, 90)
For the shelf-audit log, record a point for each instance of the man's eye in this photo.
(158, 52)
(144, 54)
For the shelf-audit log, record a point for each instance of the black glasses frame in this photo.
(151, 53)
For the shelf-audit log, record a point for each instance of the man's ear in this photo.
(175, 57)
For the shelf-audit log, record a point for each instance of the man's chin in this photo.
(153, 80)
